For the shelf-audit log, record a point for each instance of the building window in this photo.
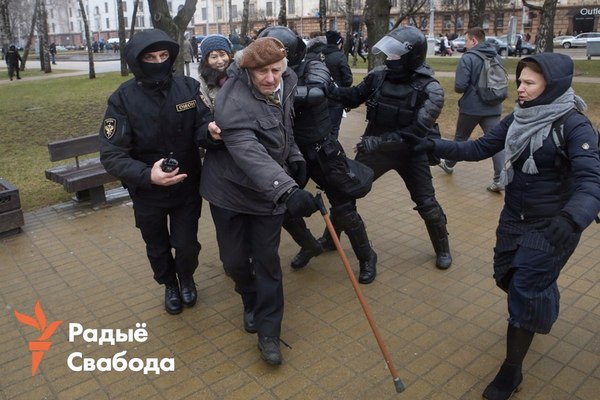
(106, 7)
(124, 6)
(269, 8)
(141, 21)
(96, 11)
(126, 20)
(204, 17)
(499, 20)
(107, 23)
(234, 12)
(141, 6)
(219, 13)
(53, 28)
(71, 26)
(447, 22)
(460, 22)
(291, 6)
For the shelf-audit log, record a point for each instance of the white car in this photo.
(579, 40)
(557, 41)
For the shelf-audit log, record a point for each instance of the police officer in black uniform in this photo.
(402, 96)
(148, 118)
(326, 161)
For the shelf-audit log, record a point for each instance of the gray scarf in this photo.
(531, 127)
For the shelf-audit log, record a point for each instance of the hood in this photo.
(140, 41)
(330, 48)
(558, 74)
(486, 49)
(316, 44)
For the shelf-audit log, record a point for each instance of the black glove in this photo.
(369, 144)
(417, 143)
(300, 203)
(558, 229)
(298, 172)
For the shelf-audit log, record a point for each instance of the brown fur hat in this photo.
(263, 51)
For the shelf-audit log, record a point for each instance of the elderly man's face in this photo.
(266, 79)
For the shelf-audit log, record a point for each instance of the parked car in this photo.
(500, 45)
(459, 44)
(579, 40)
(526, 47)
(557, 41)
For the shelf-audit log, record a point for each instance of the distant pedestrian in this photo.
(13, 58)
(519, 46)
(52, 50)
(188, 56)
(472, 111)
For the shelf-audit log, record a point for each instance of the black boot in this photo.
(269, 349)
(189, 294)
(435, 221)
(357, 233)
(507, 381)
(509, 378)
(309, 246)
(173, 303)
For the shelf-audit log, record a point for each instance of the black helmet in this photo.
(406, 43)
(295, 46)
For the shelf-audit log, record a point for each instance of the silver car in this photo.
(579, 40)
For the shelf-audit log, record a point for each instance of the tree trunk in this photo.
(43, 38)
(282, 17)
(244, 27)
(230, 17)
(476, 13)
(376, 16)
(133, 18)
(322, 15)
(174, 27)
(88, 41)
(543, 40)
(348, 27)
(36, 9)
(121, 17)
(6, 33)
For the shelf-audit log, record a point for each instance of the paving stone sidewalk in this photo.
(444, 329)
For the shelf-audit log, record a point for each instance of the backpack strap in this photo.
(558, 134)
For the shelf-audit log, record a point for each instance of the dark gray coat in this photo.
(466, 80)
(251, 175)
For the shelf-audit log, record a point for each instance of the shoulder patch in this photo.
(188, 105)
(110, 126)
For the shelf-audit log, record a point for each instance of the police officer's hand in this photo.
(300, 203)
(369, 144)
(558, 229)
(159, 177)
(298, 172)
(418, 144)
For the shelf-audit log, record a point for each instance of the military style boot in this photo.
(435, 221)
(309, 246)
(357, 233)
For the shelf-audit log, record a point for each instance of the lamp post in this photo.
(207, 25)
(431, 18)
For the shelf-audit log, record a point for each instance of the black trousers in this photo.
(249, 250)
(412, 167)
(165, 229)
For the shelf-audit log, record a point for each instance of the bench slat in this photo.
(73, 147)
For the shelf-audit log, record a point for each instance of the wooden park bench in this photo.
(86, 178)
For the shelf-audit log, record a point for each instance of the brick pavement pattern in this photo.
(444, 329)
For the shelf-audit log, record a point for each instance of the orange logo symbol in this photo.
(39, 346)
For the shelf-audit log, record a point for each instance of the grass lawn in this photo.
(37, 112)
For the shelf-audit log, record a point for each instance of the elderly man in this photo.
(251, 184)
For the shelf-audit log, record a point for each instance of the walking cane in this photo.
(386, 355)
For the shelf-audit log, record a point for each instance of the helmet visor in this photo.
(391, 47)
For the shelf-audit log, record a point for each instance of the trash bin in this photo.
(593, 48)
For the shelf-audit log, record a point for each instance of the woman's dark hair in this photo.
(529, 63)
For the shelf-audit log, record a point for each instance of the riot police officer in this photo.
(326, 161)
(402, 96)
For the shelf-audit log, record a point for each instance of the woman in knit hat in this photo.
(216, 56)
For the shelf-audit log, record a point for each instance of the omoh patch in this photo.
(110, 126)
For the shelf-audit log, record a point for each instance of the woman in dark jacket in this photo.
(550, 199)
